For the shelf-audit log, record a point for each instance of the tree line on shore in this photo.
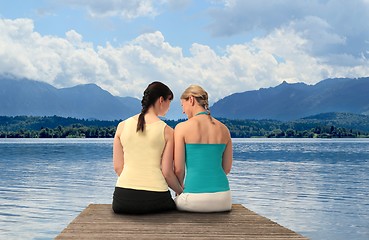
(73, 131)
(52, 127)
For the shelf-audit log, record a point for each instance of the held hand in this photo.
(177, 194)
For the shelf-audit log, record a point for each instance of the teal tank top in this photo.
(204, 171)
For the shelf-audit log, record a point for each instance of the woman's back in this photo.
(203, 156)
(203, 129)
(204, 168)
(142, 156)
(205, 140)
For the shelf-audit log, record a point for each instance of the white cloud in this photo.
(284, 54)
(127, 9)
(332, 27)
(26, 53)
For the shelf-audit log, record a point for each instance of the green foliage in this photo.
(55, 127)
(59, 127)
(276, 129)
(37, 123)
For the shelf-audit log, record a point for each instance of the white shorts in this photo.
(204, 202)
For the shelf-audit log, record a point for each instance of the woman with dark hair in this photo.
(143, 157)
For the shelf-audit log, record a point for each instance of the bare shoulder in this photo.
(182, 129)
(168, 129)
(180, 126)
(217, 122)
(222, 126)
(168, 133)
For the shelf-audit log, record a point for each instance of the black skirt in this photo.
(132, 201)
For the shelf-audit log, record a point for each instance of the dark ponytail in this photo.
(153, 92)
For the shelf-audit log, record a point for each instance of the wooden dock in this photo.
(98, 221)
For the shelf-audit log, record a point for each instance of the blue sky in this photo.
(226, 46)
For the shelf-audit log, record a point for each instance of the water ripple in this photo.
(316, 187)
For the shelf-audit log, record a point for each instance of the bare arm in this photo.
(167, 162)
(118, 153)
(179, 153)
(228, 155)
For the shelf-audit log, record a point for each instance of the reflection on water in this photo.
(48, 182)
(316, 187)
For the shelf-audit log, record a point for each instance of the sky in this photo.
(226, 46)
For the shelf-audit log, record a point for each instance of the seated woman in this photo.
(143, 157)
(203, 153)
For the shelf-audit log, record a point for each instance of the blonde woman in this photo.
(203, 153)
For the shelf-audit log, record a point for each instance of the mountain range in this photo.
(285, 102)
(33, 98)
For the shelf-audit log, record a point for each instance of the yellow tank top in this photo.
(142, 156)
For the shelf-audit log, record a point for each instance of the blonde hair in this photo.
(199, 94)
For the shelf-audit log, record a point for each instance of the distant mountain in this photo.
(285, 102)
(19, 97)
(293, 101)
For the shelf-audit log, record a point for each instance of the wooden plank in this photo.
(98, 221)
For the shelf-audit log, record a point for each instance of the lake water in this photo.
(318, 188)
